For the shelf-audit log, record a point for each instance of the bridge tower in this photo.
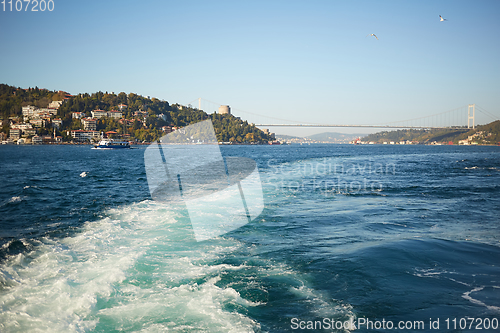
(469, 117)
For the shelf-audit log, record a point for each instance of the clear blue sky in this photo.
(299, 60)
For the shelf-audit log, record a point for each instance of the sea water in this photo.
(384, 234)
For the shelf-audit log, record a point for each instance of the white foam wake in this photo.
(138, 269)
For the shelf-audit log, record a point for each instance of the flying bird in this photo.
(441, 19)
(372, 35)
(83, 174)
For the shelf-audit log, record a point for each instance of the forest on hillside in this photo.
(146, 116)
(482, 134)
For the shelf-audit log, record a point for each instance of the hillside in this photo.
(482, 134)
(326, 137)
(334, 137)
(140, 118)
(284, 137)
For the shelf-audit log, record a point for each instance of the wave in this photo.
(139, 268)
(477, 292)
(140, 265)
(13, 200)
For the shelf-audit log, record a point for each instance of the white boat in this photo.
(111, 144)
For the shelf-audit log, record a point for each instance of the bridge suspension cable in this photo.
(455, 118)
(420, 120)
(489, 114)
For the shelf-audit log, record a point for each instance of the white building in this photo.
(98, 114)
(36, 140)
(55, 104)
(115, 114)
(89, 124)
(463, 142)
(15, 134)
(28, 110)
(38, 122)
(82, 136)
(22, 126)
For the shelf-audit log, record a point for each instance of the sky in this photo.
(271, 61)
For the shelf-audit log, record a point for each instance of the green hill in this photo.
(145, 117)
(334, 137)
(482, 134)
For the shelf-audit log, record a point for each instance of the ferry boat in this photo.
(111, 144)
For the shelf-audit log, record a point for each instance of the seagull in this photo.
(83, 174)
(441, 19)
(372, 35)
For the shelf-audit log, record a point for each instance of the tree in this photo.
(122, 98)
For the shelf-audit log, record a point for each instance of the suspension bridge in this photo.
(461, 118)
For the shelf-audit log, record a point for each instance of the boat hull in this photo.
(111, 148)
(111, 144)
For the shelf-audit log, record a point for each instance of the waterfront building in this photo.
(47, 139)
(15, 134)
(36, 140)
(83, 136)
(463, 142)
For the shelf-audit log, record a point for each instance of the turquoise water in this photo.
(394, 233)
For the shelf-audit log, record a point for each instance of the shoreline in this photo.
(253, 144)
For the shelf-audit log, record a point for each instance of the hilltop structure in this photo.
(224, 109)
